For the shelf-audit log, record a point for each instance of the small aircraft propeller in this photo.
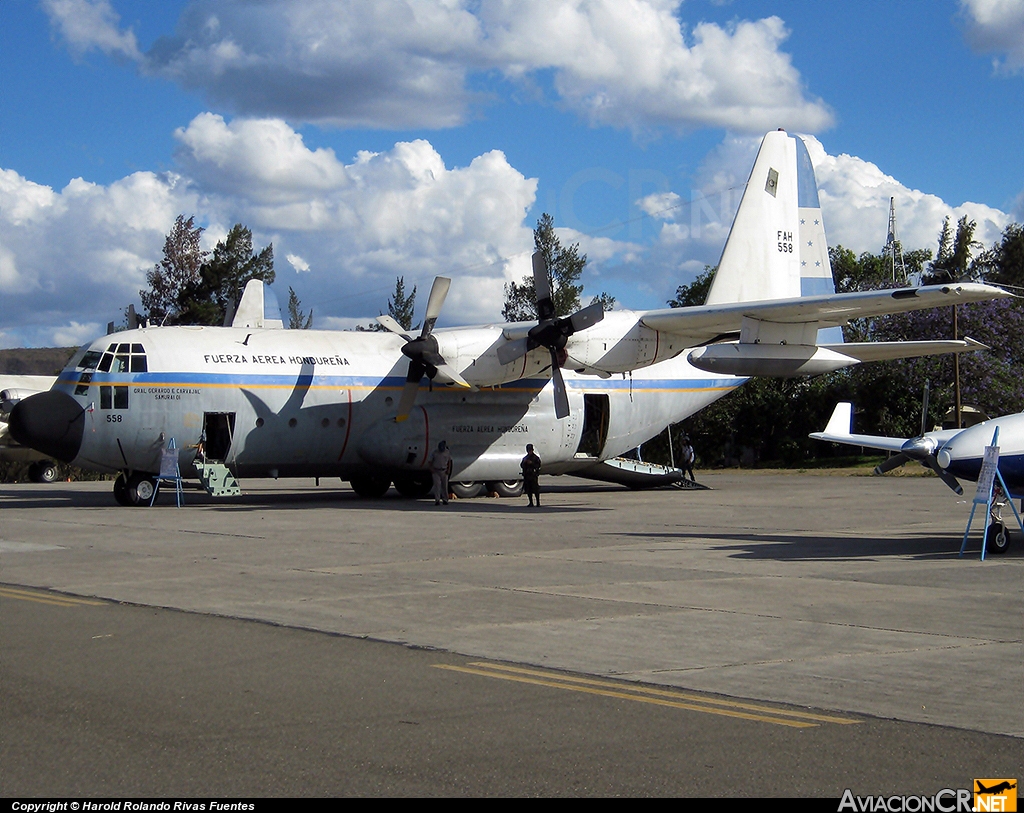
(550, 332)
(422, 351)
(923, 449)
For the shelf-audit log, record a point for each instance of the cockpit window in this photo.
(90, 360)
(124, 358)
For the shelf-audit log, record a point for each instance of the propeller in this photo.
(923, 449)
(422, 351)
(551, 332)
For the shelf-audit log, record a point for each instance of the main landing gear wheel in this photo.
(414, 486)
(997, 538)
(43, 471)
(506, 488)
(467, 490)
(371, 486)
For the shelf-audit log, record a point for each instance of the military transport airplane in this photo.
(953, 454)
(369, 407)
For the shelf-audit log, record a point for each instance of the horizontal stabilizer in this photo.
(709, 322)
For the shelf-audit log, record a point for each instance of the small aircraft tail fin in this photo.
(776, 247)
(258, 307)
(841, 422)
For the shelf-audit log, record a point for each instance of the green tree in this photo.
(1004, 263)
(954, 259)
(696, 293)
(297, 320)
(565, 268)
(179, 270)
(401, 307)
(193, 287)
(223, 278)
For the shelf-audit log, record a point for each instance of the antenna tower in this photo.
(893, 249)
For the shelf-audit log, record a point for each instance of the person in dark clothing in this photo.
(440, 465)
(531, 473)
(688, 456)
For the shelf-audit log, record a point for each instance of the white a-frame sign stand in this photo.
(986, 487)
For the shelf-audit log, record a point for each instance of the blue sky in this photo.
(418, 137)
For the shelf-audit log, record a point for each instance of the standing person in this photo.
(440, 464)
(531, 472)
(688, 456)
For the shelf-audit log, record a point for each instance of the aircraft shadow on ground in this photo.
(267, 500)
(844, 548)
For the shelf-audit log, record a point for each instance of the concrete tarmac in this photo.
(826, 592)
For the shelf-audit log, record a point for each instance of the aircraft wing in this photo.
(838, 431)
(706, 323)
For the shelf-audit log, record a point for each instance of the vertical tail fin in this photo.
(776, 247)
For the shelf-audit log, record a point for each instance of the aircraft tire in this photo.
(371, 486)
(467, 490)
(414, 486)
(506, 488)
(140, 489)
(997, 538)
(43, 471)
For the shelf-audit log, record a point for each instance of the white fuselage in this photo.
(322, 403)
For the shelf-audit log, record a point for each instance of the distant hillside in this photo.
(34, 360)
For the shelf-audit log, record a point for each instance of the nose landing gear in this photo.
(135, 489)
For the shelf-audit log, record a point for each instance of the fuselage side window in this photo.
(105, 399)
(120, 398)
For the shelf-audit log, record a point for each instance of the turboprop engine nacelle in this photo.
(11, 396)
(778, 360)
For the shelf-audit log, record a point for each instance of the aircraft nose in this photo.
(50, 422)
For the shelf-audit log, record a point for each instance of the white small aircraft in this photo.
(12, 389)
(266, 402)
(953, 454)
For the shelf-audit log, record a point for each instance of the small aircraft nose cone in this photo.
(50, 422)
(943, 458)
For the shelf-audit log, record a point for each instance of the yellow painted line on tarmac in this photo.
(557, 681)
(697, 698)
(48, 598)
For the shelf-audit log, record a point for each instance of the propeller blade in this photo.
(448, 375)
(510, 351)
(893, 462)
(389, 322)
(587, 317)
(945, 476)
(438, 292)
(561, 397)
(409, 391)
(924, 406)
(541, 285)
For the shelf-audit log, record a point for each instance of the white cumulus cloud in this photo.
(88, 24)
(997, 26)
(414, 63)
(81, 254)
